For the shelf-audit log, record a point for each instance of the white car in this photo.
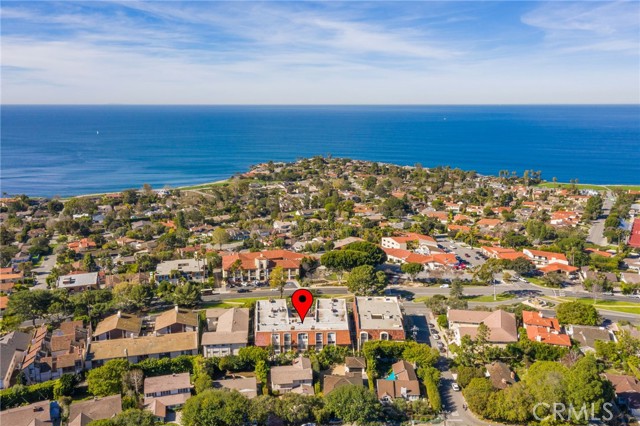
(444, 286)
(455, 387)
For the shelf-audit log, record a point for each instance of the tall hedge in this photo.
(20, 395)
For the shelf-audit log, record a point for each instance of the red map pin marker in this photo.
(302, 300)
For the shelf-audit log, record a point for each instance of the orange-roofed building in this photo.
(502, 253)
(634, 238)
(459, 228)
(169, 224)
(82, 245)
(432, 261)
(258, 265)
(401, 242)
(544, 329)
(598, 252)
(542, 258)
(4, 302)
(558, 267)
(488, 223)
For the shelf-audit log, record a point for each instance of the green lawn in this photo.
(536, 281)
(590, 186)
(609, 305)
(206, 185)
(567, 185)
(489, 298)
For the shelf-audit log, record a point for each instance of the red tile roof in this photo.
(634, 239)
(555, 267)
(286, 259)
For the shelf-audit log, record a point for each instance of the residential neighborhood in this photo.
(439, 296)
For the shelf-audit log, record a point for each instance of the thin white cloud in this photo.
(157, 52)
(598, 26)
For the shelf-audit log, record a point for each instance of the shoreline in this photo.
(203, 185)
(195, 187)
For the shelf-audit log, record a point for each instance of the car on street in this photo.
(244, 290)
(455, 387)
(444, 286)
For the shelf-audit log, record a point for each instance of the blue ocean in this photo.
(70, 150)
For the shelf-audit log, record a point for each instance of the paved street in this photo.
(597, 226)
(42, 272)
(452, 401)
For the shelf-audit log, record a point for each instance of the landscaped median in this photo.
(608, 305)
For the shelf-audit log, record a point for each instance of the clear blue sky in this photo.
(320, 53)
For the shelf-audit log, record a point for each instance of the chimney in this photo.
(119, 314)
(126, 353)
(176, 308)
(539, 338)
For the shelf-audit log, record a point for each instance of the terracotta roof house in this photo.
(598, 252)
(586, 336)
(627, 390)
(276, 325)
(558, 267)
(378, 318)
(138, 348)
(500, 375)
(176, 320)
(401, 242)
(331, 382)
(227, 332)
(118, 326)
(13, 347)
(542, 258)
(541, 328)
(171, 390)
(9, 278)
(634, 236)
(430, 261)
(502, 325)
(43, 413)
(82, 245)
(502, 253)
(488, 223)
(247, 386)
(62, 351)
(258, 265)
(401, 383)
(288, 377)
(84, 412)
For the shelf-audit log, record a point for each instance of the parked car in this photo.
(436, 336)
(444, 286)
(455, 387)
(440, 345)
(244, 290)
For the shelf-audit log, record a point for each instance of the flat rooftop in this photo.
(379, 313)
(326, 314)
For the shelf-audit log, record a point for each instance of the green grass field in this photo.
(609, 305)
(489, 297)
(589, 186)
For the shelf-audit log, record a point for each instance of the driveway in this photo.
(452, 401)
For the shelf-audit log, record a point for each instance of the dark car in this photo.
(244, 290)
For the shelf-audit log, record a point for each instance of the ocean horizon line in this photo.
(328, 104)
